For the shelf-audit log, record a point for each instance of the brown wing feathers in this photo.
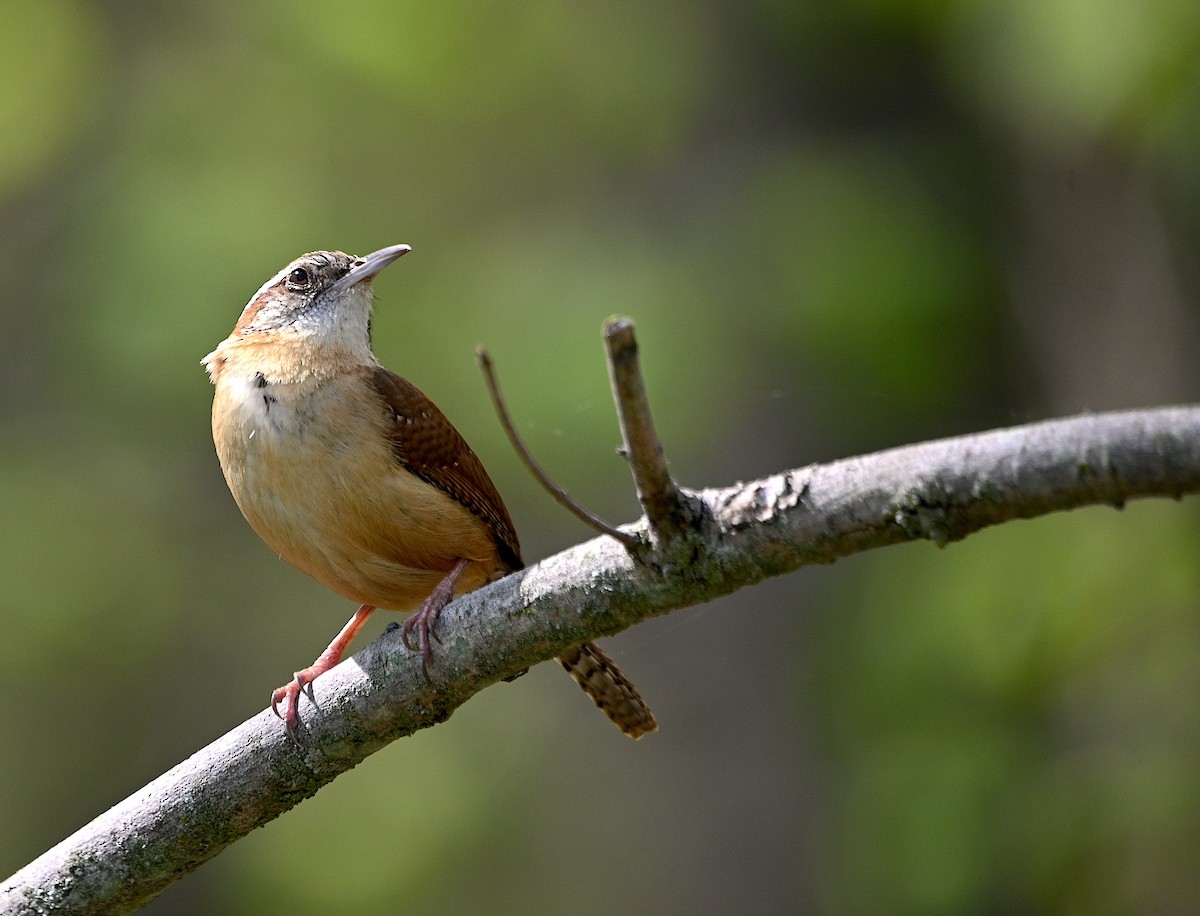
(427, 444)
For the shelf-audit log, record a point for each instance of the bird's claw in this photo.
(421, 622)
(289, 696)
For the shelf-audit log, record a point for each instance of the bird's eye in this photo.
(300, 278)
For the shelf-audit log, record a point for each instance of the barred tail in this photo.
(609, 688)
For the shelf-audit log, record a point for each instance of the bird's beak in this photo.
(366, 267)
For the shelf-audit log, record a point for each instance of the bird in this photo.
(352, 475)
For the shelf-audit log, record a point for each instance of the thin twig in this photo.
(563, 498)
(660, 497)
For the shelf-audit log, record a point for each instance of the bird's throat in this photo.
(281, 359)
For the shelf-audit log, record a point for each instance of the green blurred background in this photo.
(840, 225)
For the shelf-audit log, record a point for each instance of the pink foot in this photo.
(424, 620)
(289, 694)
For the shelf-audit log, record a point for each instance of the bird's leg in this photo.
(289, 694)
(424, 619)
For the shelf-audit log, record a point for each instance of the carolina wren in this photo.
(353, 476)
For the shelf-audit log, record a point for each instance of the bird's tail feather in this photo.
(609, 688)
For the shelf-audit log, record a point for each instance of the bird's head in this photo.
(325, 295)
(321, 301)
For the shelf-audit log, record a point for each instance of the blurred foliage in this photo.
(839, 227)
(1039, 741)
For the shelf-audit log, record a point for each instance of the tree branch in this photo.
(939, 491)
